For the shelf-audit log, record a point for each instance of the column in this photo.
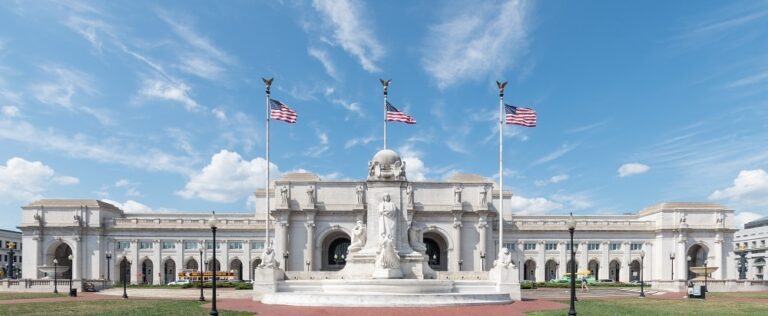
(282, 243)
(648, 267)
(76, 256)
(157, 263)
(625, 261)
(681, 260)
(605, 261)
(248, 270)
(718, 260)
(224, 261)
(135, 262)
(179, 258)
(563, 258)
(482, 246)
(457, 255)
(583, 258)
(310, 255)
(540, 262)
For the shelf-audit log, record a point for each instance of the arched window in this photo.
(337, 253)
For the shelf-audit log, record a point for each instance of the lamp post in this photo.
(55, 276)
(672, 260)
(482, 261)
(742, 262)
(213, 223)
(202, 297)
(571, 229)
(460, 263)
(308, 263)
(72, 269)
(642, 266)
(705, 275)
(126, 276)
(109, 257)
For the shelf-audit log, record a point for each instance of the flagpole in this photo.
(268, 84)
(385, 85)
(501, 86)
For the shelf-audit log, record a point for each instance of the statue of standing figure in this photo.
(409, 194)
(484, 196)
(457, 194)
(360, 190)
(311, 195)
(359, 237)
(387, 218)
(284, 195)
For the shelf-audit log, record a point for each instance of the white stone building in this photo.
(10, 240)
(313, 219)
(753, 239)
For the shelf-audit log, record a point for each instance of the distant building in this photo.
(10, 239)
(753, 238)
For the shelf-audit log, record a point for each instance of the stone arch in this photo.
(236, 267)
(594, 267)
(254, 264)
(169, 270)
(529, 270)
(213, 265)
(614, 270)
(191, 264)
(60, 250)
(334, 249)
(330, 231)
(146, 271)
(125, 270)
(551, 269)
(568, 266)
(634, 271)
(695, 257)
(437, 250)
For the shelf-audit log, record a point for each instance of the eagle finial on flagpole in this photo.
(268, 83)
(501, 86)
(385, 84)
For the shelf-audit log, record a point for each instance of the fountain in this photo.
(701, 271)
(49, 270)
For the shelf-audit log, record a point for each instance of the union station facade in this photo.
(312, 223)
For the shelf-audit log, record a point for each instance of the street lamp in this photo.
(126, 276)
(202, 298)
(109, 256)
(308, 263)
(55, 276)
(705, 275)
(213, 223)
(672, 259)
(642, 266)
(482, 261)
(571, 229)
(71, 270)
(742, 262)
(461, 261)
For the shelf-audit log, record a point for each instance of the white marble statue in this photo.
(359, 237)
(359, 191)
(457, 194)
(409, 194)
(387, 257)
(484, 196)
(311, 195)
(504, 260)
(284, 195)
(268, 259)
(416, 238)
(387, 218)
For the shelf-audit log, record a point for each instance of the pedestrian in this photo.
(584, 286)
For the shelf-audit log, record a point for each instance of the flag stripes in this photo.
(393, 114)
(519, 116)
(281, 112)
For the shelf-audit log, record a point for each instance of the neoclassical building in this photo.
(313, 221)
(752, 240)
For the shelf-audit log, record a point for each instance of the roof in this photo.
(69, 203)
(682, 206)
(760, 222)
(468, 178)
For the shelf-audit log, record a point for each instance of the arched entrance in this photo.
(437, 251)
(61, 255)
(594, 268)
(529, 270)
(697, 254)
(568, 267)
(236, 266)
(213, 265)
(634, 271)
(551, 268)
(191, 265)
(613, 270)
(169, 271)
(147, 269)
(334, 255)
(256, 264)
(125, 271)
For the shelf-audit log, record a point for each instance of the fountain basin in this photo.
(49, 270)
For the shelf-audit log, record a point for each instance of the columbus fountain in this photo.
(386, 263)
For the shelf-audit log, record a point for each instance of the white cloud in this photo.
(632, 168)
(476, 43)
(171, 91)
(415, 169)
(359, 141)
(227, 178)
(352, 107)
(201, 43)
(533, 206)
(91, 29)
(351, 32)
(742, 218)
(321, 147)
(322, 56)
(220, 114)
(10, 111)
(457, 147)
(564, 149)
(749, 188)
(22, 180)
(201, 66)
(554, 179)
(131, 206)
(129, 186)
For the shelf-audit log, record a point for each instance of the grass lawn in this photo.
(19, 296)
(113, 308)
(652, 307)
(763, 295)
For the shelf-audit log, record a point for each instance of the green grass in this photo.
(113, 308)
(20, 296)
(763, 295)
(654, 307)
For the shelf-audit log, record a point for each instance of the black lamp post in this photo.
(126, 277)
(571, 229)
(672, 260)
(742, 262)
(202, 297)
(213, 223)
(642, 266)
(460, 263)
(308, 263)
(11, 256)
(705, 276)
(482, 261)
(109, 256)
(71, 270)
(55, 276)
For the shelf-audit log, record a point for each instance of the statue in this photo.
(504, 260)
(358, 237)
(284, 195)
(683, 219)
(416, 238)
(409, 193)
(399, 170)
(484, 196)
(311, 195)
(387, 218)
(719, 218)
(268, 259)
(360, 194)
(387, 256)
(457, 194)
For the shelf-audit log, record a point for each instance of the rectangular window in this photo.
(762, 243)
(568, 246)
(190, 245)
(257, 245)
(593, 246)
(754, 244)
(169, 245)
(235, 245)
(529, 246)
(614, 246)
(510, 246)
(209, 245)
(550, 246)
(122, 245)
(635, 246)
(145, 245)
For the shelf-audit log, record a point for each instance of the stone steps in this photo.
(359, 299)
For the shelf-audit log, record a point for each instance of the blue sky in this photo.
(159, 106)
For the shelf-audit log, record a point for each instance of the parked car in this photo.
(178, 282)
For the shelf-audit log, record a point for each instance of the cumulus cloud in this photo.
(742, 218)
(533, 206)
(633, 168)
(554, 179)
(415, 169)
(351, 32)
(171, 91)
(750, 188)
(10, 111)
(131, 206)
(227, 178)
(476, 43)
(22, 180)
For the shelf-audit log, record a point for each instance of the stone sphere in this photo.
(386, 157)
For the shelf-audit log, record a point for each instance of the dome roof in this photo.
(386, 157)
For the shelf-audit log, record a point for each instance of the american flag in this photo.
(393, 114)
(520, 116)
(279, 111)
